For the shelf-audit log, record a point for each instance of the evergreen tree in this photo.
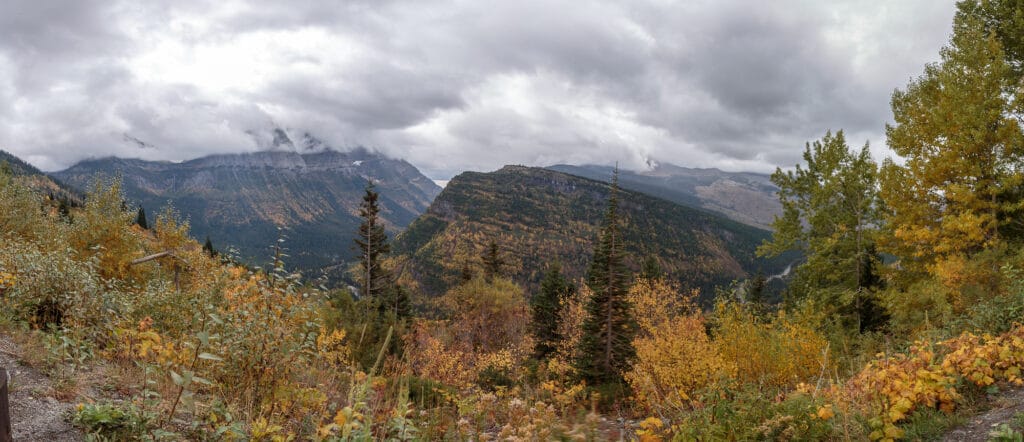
(64, 211)
(208, 248)
(651, 269)
(546, 306)
(140, 219)
(755, 289)
(466, 274)
(492, 262)
(867, 308)
(606, 348)
(372, 243)
(830, 214)
(396, 301)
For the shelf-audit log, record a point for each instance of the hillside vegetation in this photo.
(903, 319)
(537, 216)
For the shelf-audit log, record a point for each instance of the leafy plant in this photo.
(116, 422)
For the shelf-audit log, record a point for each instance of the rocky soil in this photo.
(35, 414)
(978, 428)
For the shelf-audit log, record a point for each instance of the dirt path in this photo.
(977, 429)
(35, 414)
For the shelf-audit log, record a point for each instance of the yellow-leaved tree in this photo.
(958, 131)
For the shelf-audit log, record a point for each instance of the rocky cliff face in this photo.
(241, 199)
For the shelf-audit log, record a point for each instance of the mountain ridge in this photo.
(746, 197)
(538, 215)
(240, 199)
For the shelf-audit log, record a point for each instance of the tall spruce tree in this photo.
(546, 306)
(208, 248)
(606, 348)
(372, 243)
(140, 219)
(492, 261)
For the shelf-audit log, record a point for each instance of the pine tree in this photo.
(140, 219)
(466, 274)
(208, 248)
(546, 306)
(651, 270)
(492, 262)
(372, 243)
(755, 289)
(396, 301)
(64, 211)
(606, 348)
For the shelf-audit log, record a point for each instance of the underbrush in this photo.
(196, 348)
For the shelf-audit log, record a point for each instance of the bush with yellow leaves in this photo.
(674, 355)
(676, 359)
(891, 387)
(775, 352)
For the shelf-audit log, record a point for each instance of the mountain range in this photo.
(749, 198)
(702, 225)
(539, 216)
(242, 199)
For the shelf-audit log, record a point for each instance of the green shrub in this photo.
(53, 289)
(115, 422)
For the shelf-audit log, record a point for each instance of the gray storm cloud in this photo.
(458, 85)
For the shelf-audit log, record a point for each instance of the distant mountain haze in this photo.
(538, 216)
(749, 198)
(240, 199)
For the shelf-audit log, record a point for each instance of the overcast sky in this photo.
(459, 85)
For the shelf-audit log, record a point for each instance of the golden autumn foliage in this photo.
(673, 360)
(487, 329)
(963, 148)
(674, 354)
(211, 350)
(102, 231)
(487, 316)
(776, 352)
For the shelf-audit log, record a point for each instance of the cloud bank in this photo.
(462, 84)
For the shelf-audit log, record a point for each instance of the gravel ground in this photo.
(35, 414)
(977, 429)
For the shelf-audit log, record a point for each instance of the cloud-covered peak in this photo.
(456, 85)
